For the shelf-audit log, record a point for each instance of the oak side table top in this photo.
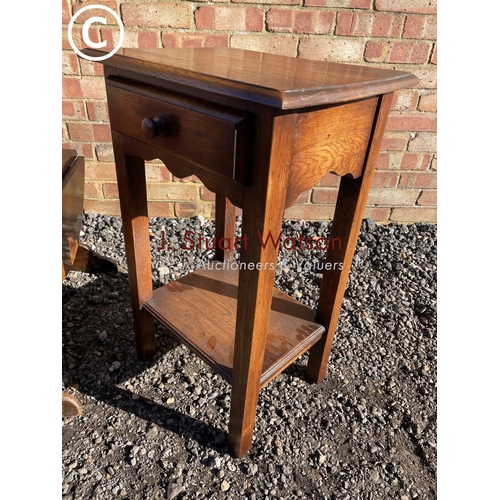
(279, 81)
(258, 130)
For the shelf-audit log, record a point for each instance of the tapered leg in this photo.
(225, 218)
(131, 176)
(263, 207)
(350, 207)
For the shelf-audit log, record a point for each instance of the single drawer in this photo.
(210, 137)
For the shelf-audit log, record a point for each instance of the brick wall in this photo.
(398, 34)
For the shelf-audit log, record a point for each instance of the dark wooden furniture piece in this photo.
(75, 255)
(258, 130)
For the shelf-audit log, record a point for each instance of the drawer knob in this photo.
(154, 127)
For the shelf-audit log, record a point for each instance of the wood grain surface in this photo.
(278, 81)
(200, 310)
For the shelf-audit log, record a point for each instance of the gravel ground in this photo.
(157, 430)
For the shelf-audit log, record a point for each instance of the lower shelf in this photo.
(200, 310)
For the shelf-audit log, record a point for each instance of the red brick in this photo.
(428, 102)
(409, 52)
(309, 212)
(66, 12)
(392, 197)
(169, 40)
(389, 161)
(369, 24)
(427, 76)
(411, 215)
(405, 100)
(206, 195)
(229, 18)
(347, 22)
(84, 149)
(329, 180)
(387, 25)
(304, 197)
(98, 111)
(102, 132)
(112, 37)
(71, 88)
(84, 16)
(100, 171)
(284, 45)
(93, 87)
(354, 23)
(431, 161)
(418, 180)
(360, 4)
(254, 19)
(157, 15)
(110, 190)
(80, 132)
(92, 190)
(383, 161)
(269, 2)
(411, 6)
(385, 179)
(413, 122)
(174, 191)
(434, 55)
(205, 18)
(428, 197)
(161, 209)
(332, 49)
(133, 38)
(77, 37)
(353, 4)
(191, 209)
(378, 214)
(415, 161)
(70, 64)
(90, 68)
(180, 39)
(279, 20)
(148, 40)
(189, 178)
(324, 195)
(394, 142)
(317, 22)
(376, 51)
(397, 52)
(433, 165)
(104, 152)
(423, 141)
(303, 22)
(157, 172)
(105, 207)
(421, 27)
(73, 110)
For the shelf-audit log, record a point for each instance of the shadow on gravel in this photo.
(99, 358)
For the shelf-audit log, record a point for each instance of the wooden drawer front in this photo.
(198, 132)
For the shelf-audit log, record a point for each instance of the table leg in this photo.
(131, 176)
(263, 207)
(225, 218)
(349, 210)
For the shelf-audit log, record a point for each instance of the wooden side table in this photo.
(258, 130)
